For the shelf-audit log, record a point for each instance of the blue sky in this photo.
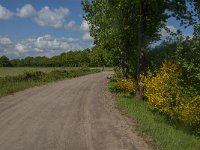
(47, 27)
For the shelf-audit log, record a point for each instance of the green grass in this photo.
(164, 135)
(11, 84)
(105, 68)
(13, 71)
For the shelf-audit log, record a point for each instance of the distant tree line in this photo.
(89, 57)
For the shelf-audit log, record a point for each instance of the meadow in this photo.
(17, 79)
(14, 71)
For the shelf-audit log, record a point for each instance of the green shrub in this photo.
(188, 58)
(117, 72)
(37, 75)
(165, 93)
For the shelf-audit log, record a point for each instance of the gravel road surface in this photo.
(74, 114)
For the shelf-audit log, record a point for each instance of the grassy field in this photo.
(16, 79)
(166, 136)
(14, 71)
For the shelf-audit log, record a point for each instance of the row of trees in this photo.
(89, 57)
(128, 28)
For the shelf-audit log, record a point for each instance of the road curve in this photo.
(74, 114)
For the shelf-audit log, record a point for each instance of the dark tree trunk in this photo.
(124, 64)
(141, 48)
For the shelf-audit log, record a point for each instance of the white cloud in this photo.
(5, 40)
(72, 26)
(26, 11)
(20, 47)
(87, 37)
(53, 18)
(170, 30)
(5, 13)
(84, 26)
(165, 32)
(71, 40)
(47, 44)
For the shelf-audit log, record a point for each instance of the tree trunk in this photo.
(141, 48)
(124, 63)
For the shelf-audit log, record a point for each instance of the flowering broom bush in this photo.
(165, 94)
(188, 112)
(160, 89)
(126, 85)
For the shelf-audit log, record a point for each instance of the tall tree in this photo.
(131, 26)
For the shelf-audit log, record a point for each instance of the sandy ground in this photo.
(74, 114)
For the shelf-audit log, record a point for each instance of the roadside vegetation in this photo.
(171, 89)
(162, 82)
(11, 84)
(164, 133)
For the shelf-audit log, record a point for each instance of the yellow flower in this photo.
(126, 85)
(164, 94)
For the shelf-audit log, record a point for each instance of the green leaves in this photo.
(127, 28)
(188, 57)
(4, 62)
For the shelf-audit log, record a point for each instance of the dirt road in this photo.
(74, 114)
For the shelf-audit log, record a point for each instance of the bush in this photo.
(117, 72)
(37, 75)
(188, 112)
(165, 93)
(160, 89)
(126, 85)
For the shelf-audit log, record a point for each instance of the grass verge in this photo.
(164, 135)
(11, 84)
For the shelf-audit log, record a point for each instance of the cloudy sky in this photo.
(47, 27)
(42, 27)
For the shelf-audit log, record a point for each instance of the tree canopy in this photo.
(128, 28)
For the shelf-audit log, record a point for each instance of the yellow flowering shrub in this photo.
(158, 89)
(164, 93)
(188, 111)
(126, 85)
